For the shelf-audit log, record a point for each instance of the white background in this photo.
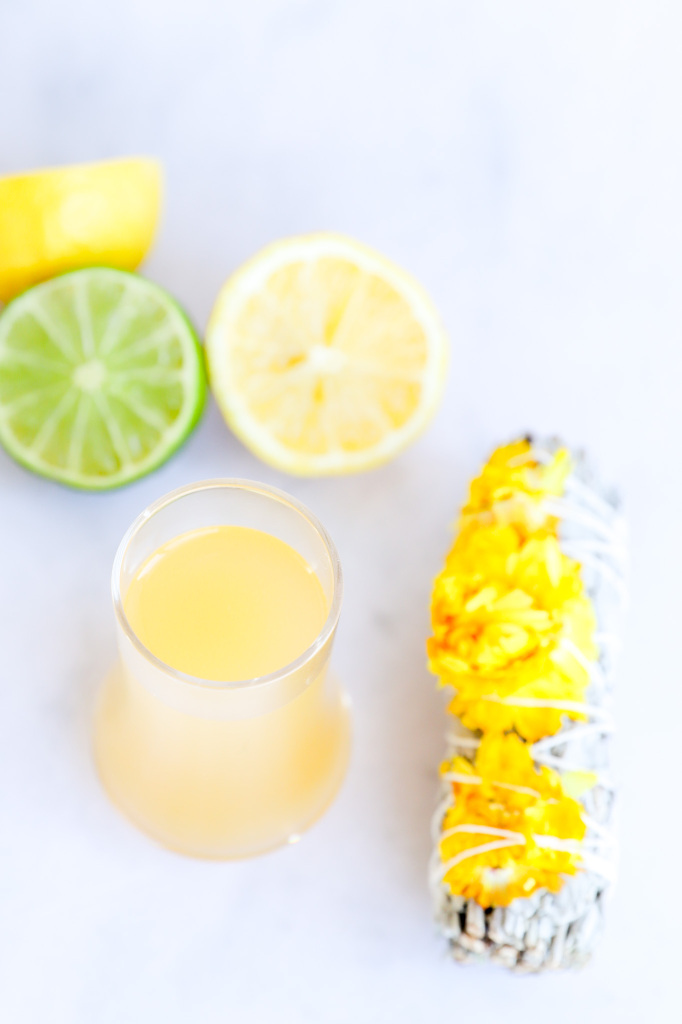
(524, 161)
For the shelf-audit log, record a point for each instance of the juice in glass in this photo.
(221, 733)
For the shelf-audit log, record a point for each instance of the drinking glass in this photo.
(223, 768)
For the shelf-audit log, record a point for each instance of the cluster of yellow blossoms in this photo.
(516, 811)
(513, 634)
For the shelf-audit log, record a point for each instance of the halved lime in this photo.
(101, 378)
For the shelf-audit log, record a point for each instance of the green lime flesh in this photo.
(101, 378)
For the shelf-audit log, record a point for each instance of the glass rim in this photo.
(240, 484)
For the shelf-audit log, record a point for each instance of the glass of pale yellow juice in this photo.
(220, 732)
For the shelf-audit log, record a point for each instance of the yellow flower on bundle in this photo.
(520, 813)
(516, 484)
(509, 612)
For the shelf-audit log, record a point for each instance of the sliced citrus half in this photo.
(101, 378)
(324, 356)
(56, 220)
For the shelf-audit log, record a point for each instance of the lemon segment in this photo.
(62, 219)
(325, 357)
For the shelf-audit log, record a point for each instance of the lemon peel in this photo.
(66, 218)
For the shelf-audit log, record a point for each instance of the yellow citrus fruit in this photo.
(324, 356)
(61, 219)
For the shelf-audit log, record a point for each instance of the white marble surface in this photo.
(524, 161)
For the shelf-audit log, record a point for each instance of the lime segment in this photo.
(101, 378)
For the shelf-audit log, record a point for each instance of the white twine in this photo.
(593, 668)
(599, 505)
(575, 734)
(483, 830)
(601, 830)
(595, 711)
(601, 724)
(611, 575)
(592, 861)
(476, 780)
(562, 508)
(474, 851)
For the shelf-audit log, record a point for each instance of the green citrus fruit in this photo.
(101, 378)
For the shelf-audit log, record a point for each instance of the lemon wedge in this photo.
(324, 356)
(56, 220)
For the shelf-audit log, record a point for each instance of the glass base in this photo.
(221, 789)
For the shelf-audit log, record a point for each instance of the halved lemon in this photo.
(65, 218)
(324, 356)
